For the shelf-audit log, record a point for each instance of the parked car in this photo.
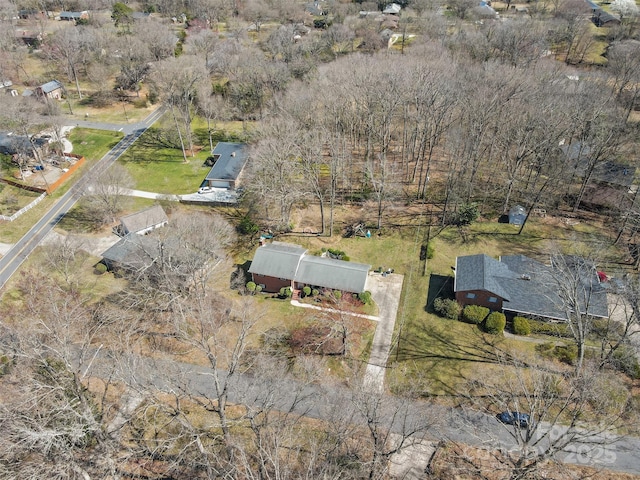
(523, 420)
(205, 189)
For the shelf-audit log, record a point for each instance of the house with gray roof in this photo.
(74, 16)
(53, 89)
(142, 222)
(131, 253)
(519, 285)
(278, 264)
(229, 161)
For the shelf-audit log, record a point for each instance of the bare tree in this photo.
(567, 413)
(107, 194)
(276, 171)
(177, 80)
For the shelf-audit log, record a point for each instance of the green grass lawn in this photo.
(437, 354)
(161, 168)
(93, 144)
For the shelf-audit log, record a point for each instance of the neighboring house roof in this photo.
(481, 272)
(277, 259)
(11, 144)
(526, 285)
(144, 220)
(51, 86)
(392, 8)
(133, 251)
(74, 15)
(230, 161)
(332, 273)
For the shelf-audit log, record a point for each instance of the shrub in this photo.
(315, 292)
(306, 291)
(251, 287)
(624, 360)
(427, 251)
(564, 353)
(101, 268)
(337, 294)
(276, 341)
(495, 323)
(365, 297)
(258, 288)
(446, 307)
(554, 329)
(474, 314)
(521, 326)
(248, 226)
(285, 292)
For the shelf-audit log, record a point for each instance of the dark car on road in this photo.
(523, 420)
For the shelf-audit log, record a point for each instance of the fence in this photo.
(24, 209)
(68, 173)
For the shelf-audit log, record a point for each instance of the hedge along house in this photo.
(519, 285)
(230, 159)
(278, 264)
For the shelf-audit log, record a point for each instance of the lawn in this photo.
(158, 167)
(436, 354)
(93, 144)
(13, 198)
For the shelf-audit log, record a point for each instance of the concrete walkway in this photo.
(296, 303)
(386, 292)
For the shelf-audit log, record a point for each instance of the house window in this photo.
(493, 299)
(471, 295)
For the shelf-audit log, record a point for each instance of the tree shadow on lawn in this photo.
(439, 286)
(447, 353)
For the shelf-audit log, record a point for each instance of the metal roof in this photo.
(231, 160)
(331, 273)
(277, 259)
(149, 217)
(50, 86)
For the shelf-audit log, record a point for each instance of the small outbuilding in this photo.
(517, 215)
(53, 89)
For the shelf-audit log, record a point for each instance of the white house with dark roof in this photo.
(279, 264)
(230, 159)
(519, 285)
(142, 222)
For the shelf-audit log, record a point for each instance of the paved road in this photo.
(10, 263)
(328, 402)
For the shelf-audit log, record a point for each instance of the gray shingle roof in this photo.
(232, 157)
(133, 251)
(277, 259)
(526, 285)
(480, 272)
(139, 221)
(331, 273)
